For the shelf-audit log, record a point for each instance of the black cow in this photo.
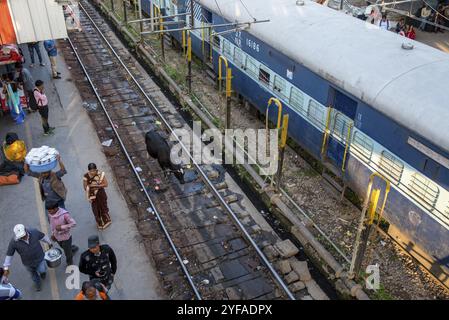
(159, 149)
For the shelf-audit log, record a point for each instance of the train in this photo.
(360, 99)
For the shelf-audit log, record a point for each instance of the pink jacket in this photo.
(41, 98)
(61, 218)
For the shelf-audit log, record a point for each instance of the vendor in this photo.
(14, 152)
(51, 186)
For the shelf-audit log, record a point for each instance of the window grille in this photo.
(391, 166)
(316, 114)
(424, 190)
(297, 100)
(363, 145)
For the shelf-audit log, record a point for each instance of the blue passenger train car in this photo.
(385, 108)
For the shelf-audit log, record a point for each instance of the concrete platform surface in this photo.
(79, 145)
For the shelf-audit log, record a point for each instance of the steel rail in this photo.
(161, 223)
(197, 166)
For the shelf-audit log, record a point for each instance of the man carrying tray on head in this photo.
(51, 186)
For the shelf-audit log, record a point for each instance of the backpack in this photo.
(33, 102)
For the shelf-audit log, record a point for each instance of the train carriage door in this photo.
(340, 127)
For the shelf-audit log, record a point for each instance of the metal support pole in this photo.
(152, 16)
(357, 255)
(112, 6)
(284, 136)
(366, 231)
(228, 97)
(278, 125)
(125, 13)
(220, 73)
(162, 38)
(140, 17)
(189, 62)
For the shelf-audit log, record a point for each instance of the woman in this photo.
(94, 183)
(411, 34)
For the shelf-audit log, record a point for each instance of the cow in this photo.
(159, 149)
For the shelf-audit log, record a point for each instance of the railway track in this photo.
(207, 246)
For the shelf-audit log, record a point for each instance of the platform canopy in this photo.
(25, 21)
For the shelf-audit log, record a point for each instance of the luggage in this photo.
(9, 180)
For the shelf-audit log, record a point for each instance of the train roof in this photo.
(409, 86)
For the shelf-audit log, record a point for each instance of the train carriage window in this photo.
(316, 113)
(280, 85)
(264, 76)
(424, 190)
(251, 67)
(227, 49)
(391, 166)
(239, 57)
(216, 42)
(297, 100)
(363, 145)
(341, 125)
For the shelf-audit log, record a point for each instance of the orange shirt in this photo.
(101, 295)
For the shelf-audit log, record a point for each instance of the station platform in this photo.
(76, 140)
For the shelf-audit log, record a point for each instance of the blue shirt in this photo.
(50, 47)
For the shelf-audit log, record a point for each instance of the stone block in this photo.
(286, 248)
(296, 286)
(284, 266)
(301, 268)
(291, 277)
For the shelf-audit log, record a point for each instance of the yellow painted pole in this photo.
(189, 62)
(228, 97)
(184, 43)
(284, 135)
(220, 76)
(279, 105)
(357, 255)
(326, 131)
(348, 142)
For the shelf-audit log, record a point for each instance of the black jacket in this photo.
(105, 262)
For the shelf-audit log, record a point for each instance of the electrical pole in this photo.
(125, 14)
(228, 97)
(189, 62)
(140, 18)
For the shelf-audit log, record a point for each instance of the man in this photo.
(425, 15)
(61, 224)
(42, 105)
(384, 23)
(7, 290)
(99, 262)
(51, 186)
(50, 47)
(34, 46)
(27, 244)
(26, 79)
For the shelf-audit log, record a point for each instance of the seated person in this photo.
(13, 154)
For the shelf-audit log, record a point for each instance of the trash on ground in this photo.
(107, 143)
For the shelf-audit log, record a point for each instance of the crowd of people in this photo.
(19, 92)
(98, 261)
(429, 19)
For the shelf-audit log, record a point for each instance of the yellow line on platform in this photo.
(42, 219)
